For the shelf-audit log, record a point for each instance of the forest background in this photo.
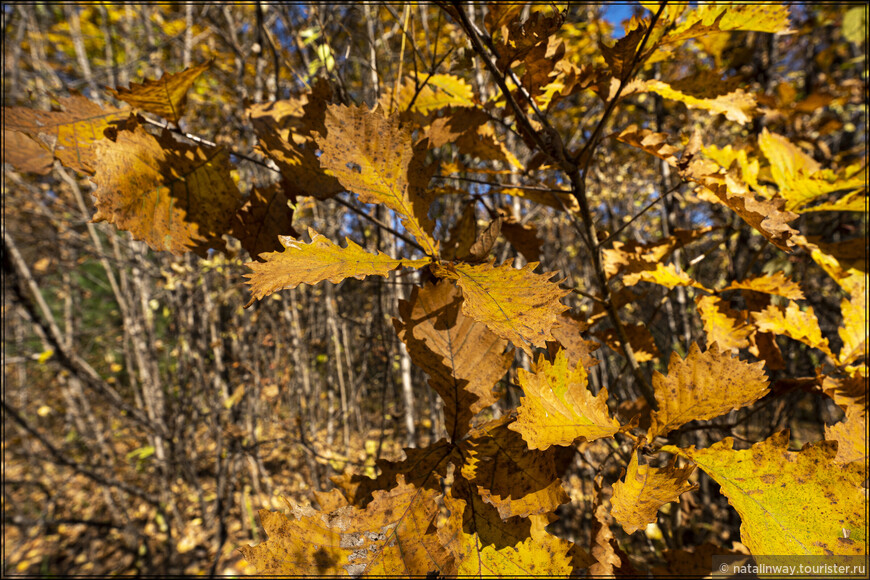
(148, 416)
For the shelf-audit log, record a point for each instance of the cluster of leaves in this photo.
(479, 502)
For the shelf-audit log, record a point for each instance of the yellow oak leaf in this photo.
(722, 325)
(516, 304)
(708, 19)
(463, 358)
(703, 386)
(69, 134)
(539, 555)
(389, 537)
(265, 216)
(438, 92)
(166, 97)
(794, 323)
(173, 196)
(634, 257)
(854, 328)
(777, 284)
(727, 156)
(851, 435)
(301, 263)
(845, 262)
(737, 105)
(790, 503)
(507, 475)
(637, 499)
(662, 274)
(801, 180)
(558, 408)
(371, 156)
(847, 392)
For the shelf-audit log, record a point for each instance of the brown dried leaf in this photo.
(462, 357)
(265, 216)
(25, 154)
(568, 331)
(703, 386)
(165, 97)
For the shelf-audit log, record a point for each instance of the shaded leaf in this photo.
(853, 332)
(265, 216)
(539, 555)
(621, 56)
(558, 407)
(695, 564)
(516, 304)
(639, 337)
(389, 537)
(463, 358)
(794, 323)
(69, 134)
(523, 237)
(516, 481)
(25, 154)
(703, 386)
(173, 196)
(301, 263)
(370, 155)
(568, 331)
(603, 545)
(166, 97)
(637, 499)
(771, 489)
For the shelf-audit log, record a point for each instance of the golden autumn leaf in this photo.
(175, 197)
(463, 358)
(634, 257)
(722, 325)
(25, 154)
(845, 262)
(166, 97)
(637, 499)
(510, 477)
(790, 503)
(558, 407)
(438, 92)
(737, 106)
(801, 179)
(853, 332)
(311, 263)
(516, 304)
(777, 284)
(388, 537)
(665, 275)
(851, 435)
(703, 386)
(69, 134)
(371, 156)
(847, 392)
(538, 555)
(767, 216)
(794, 323)
(264, 216)
(708, 19)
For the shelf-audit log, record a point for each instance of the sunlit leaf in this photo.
(311, 263)
(737, 106)
(516, 304)
(703, 386)
(777, 284)
(637, 499)
(794, 323)
(371, 156)
(558, 407)
(851, 436)
(722, 325)
(790, 503)
(265, 216)
(69, 134)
